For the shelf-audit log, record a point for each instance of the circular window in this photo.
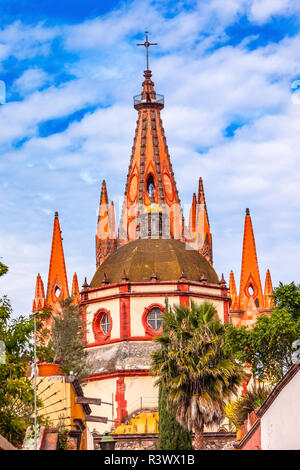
(105, 323)
(154, 318)
(102, 325)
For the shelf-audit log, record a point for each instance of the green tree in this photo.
(3, 269)
(192, 365)
(67, 340)
(172, 436)
(16, 391)
(267, 347)
(287, 297)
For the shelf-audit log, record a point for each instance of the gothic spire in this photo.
(57, 287)
(193, 215)
(39, 298)
(103, 222)
(200, 235)
(150, 170)
(269, 303)
(233, 292)
(75, 289)
(250, 284)
(106, 235)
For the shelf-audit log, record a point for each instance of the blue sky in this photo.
(226, 68)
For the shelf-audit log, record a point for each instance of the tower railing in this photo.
(137, 99)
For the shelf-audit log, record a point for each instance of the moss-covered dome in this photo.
(166, 258)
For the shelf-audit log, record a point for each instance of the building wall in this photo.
(59, 403)
(144, 442)
(137, 307)
(218, 304)
(254, 442)
(141, 391)
(113, 306)
(54, 392)
(280, 423)
(144, 296)
(104, 389)
(136, 387)
(111, 376)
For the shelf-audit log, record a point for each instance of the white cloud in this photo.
(87, 178)
(261, 11)
(31, 80)
(20, 118)
(26, 41)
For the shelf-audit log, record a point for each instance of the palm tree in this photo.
(191, 363)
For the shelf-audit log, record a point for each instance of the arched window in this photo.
(102, 325)
(57, 291)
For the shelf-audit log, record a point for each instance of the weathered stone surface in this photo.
(121, 356)
(144, 443)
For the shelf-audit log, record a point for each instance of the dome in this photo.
(167, 258)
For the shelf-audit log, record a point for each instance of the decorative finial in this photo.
(154, 276)
(247, 211)
(203, 278)
(125, 277)
(222, 282)
(85, 284)
(147, 44)
(183, 276)
(56, 215)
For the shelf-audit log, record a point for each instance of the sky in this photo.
(230, 74)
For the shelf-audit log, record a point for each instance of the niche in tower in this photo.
(150, 186)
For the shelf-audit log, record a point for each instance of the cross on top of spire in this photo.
(147, 44)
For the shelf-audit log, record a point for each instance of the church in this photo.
(153, 255)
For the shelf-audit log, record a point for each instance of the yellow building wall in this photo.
(77, 412)
(59, 405)
(54, 392)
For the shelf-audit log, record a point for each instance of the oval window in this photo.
(105, 323)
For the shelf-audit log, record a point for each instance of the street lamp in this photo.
(107, 442)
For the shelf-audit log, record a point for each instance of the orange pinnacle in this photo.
(57, 278)
(250, 284)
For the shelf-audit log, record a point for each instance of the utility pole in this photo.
(35, 387)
